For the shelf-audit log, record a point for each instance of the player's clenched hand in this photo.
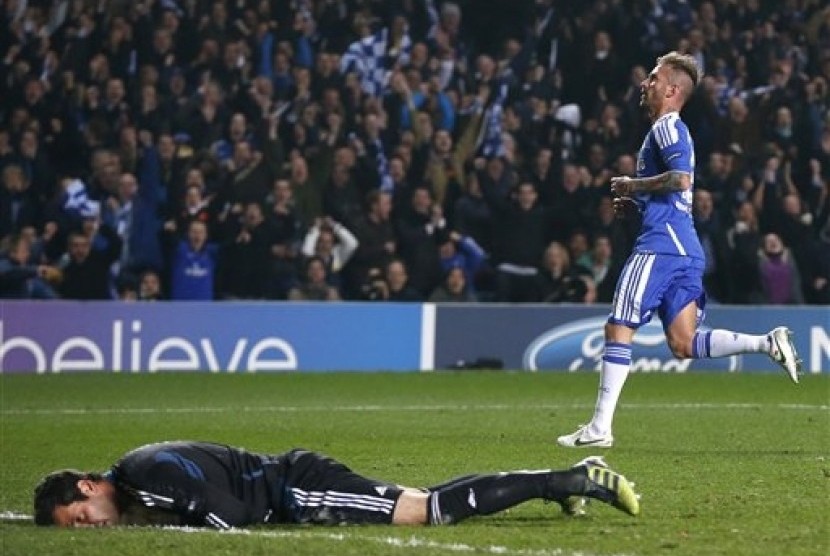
(621, 186)
(625, 207)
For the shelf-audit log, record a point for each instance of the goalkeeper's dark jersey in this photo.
(198, 483)
(204, 484)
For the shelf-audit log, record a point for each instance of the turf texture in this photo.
(726, 464)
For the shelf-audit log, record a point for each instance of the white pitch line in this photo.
(393, 542)
(14, 516)
(400, 408)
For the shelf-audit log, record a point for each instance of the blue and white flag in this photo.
(78, 201)
(371, 60)
(491, 142)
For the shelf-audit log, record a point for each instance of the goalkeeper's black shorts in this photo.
(321, 490)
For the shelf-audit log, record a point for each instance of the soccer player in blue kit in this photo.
(664, 273)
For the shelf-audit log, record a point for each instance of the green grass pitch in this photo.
(726, 464)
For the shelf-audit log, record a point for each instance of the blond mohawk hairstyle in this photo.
(682, 62)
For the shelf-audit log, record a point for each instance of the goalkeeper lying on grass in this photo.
(213, 485)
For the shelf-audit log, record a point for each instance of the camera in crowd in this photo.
(374, 287)
(571, 289)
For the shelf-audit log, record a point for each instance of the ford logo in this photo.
(578, 346)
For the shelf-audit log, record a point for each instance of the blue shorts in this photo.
(652, 281)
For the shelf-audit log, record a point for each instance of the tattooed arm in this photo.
(667, 182)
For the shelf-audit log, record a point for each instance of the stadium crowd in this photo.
(398, 149)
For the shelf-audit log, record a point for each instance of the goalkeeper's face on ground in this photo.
(98, 510)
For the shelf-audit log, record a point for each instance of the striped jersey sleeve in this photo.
(674, 143)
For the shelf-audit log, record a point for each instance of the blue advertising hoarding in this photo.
(111, 336)
(235, 337)
(570, 337)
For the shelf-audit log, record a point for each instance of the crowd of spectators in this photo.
(398, 150)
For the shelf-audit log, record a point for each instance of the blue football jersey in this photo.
(667, 218)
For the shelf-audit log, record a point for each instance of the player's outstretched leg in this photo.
(782, 351)
(486, 494)
(777, 344)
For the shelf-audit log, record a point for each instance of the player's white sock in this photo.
(720, 343)
(616, 362)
